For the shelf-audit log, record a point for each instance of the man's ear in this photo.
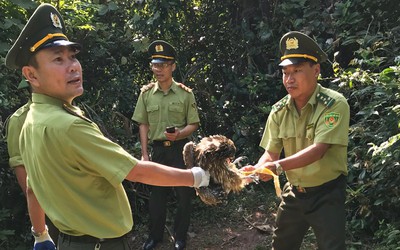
(317, 69)
(29, 73)
(173, 67)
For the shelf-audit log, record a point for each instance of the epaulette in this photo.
(325, 99)
(147, 87)
(4, 128)
(280, 104)
(23, 109)
(184, 87)
(72, 112)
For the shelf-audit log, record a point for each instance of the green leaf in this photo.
(103, 10)
(25, 4)
(379, 201)
(112, 6)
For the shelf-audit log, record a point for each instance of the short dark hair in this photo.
(311, 63)
(33, 62)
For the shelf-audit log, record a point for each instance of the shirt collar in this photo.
(313, 99)
(174, 87)
(41, 98)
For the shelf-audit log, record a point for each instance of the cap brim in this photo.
(159, 60)
(62, 43)
(13, 52)
(291, 61)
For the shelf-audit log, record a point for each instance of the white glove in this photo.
(201, 177)
(43, 241)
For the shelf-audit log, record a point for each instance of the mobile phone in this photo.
(170, 129)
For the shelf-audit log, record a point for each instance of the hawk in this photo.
(216, 154)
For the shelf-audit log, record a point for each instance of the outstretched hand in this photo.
(262, 172)
(255, 173)
(249, 174)
(266, 171)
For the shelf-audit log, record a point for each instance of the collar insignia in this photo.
(72, 112)
(325, 99)
(280, 104)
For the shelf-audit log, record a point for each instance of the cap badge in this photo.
(56, 20)
(292, 43)
(159, 48)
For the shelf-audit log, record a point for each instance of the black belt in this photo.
(326, 186)
(85, 238)
(168, 143)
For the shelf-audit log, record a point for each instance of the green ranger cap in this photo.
(161, 51)
(297, 47)
(44, 29)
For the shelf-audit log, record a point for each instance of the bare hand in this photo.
(247, 168)
(172, 136)
(249, 174)
(270, 166)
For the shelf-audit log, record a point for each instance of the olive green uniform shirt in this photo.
(75, 172)
(324, 119)
(13, 128)
(175, 108)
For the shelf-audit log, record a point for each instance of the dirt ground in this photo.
(220, 234)
(223, 233)
(246, 222)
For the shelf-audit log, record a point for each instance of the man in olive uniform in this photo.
(167, 114)
(13, 129)
(74, 172)
(311, 125)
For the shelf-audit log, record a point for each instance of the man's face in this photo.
(300, 79)
(59, 73)
(163, 71)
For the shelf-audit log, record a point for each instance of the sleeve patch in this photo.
(331, 119)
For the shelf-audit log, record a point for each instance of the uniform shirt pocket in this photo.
(176, 113)
(288, 137)
(153, 112)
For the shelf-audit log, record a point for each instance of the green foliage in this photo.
(14, 221)
(365, 27)
(374, 150)
(4, 233)
(388, 235)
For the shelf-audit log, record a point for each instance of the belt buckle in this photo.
(167, 143)
(300, 189)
